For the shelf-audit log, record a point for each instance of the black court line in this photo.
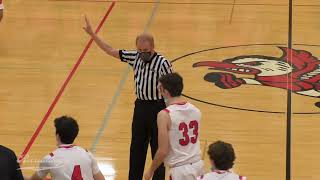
(311, 45)
(193, 3)
(231, 46)
(289, 101)
(232, 10)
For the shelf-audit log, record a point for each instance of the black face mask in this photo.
(145, 56)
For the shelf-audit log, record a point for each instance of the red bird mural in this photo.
(301, 75)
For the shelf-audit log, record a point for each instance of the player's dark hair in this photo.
(67, 128)
(222, 154)
(173, 83)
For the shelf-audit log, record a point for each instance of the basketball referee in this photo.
(148, 67)
(9, 167)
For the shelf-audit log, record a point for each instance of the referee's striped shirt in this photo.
(146, 75)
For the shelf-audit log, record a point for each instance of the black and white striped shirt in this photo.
(146, 75)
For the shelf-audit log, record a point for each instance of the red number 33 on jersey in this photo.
(184, 128)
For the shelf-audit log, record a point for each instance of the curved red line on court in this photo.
(56, 99)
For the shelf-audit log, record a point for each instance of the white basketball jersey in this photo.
(183, 134)
(69, 162)
(221, 175)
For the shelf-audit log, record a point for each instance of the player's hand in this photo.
(26, 177)
(148, 175)
(88, 27)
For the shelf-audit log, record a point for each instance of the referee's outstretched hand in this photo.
(88, 27)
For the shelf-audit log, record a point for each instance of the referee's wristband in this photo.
(1, 6)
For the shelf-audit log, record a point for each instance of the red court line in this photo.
(56, 99)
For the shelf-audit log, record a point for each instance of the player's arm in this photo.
(1, 14)
(98, 176)
(163, 143)
(1, 10)
(103, 45)
(35, 176)
(44, 168)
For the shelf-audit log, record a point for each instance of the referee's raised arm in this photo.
(103, 45)
(148, 66)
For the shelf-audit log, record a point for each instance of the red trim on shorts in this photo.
(241, 177)
(170, 177)
(167, 110)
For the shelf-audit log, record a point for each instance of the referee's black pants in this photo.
(144, 130)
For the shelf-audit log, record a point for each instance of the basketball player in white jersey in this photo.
(222, 158)
(1, 10)
(178, 133)
(68, 161)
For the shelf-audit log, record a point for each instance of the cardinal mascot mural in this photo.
(301, 75)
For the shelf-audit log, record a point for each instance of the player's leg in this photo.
(139, 143)
(159, 174)
(181, 172)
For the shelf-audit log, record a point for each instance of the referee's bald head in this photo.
(145, 39)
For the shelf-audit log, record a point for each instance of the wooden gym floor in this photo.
(41, 40)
